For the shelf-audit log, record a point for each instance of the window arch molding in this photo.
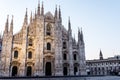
(30, 53)
(18, 49)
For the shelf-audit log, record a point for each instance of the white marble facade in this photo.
(43, 47)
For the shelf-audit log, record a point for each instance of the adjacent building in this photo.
(101, 66)
(42, 47)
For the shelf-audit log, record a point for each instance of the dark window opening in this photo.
(64, 56)
(16, 54)
(75, 57)
(48, 33)
(30, 55)
(64, 45)
(48, 46)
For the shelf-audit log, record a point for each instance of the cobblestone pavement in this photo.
(73, 78)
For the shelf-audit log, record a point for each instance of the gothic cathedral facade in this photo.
(43, 47)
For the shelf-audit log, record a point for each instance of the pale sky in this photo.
(99, 19)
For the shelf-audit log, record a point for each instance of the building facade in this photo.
(109, 66)
(43, 47)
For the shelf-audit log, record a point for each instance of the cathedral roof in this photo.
(49, 15)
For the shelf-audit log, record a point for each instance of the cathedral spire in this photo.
(38, 11)
(81, 36)
(11, 25)
(7, 24)
(31, 17)
(69, 24)
(101, 55)
(60, 18)
(26, 18)
(56, 12)
(69, 29)
(42, 9)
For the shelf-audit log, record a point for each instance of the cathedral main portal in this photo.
(48, 71)
(14, 71)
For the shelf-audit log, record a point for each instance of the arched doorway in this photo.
(29, 71)
(65, 71)
(75, 70)
(14, 71)
(48, 71)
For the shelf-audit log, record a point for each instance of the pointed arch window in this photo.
(29, 55)
(48, 46)
(16, 54)
(48, 29)
(30, 42)
(75, 57)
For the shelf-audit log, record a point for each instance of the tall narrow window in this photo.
(48, 30)
(75, 70)
(75, 57)
(30, 55)
(64, 56)
(64, 45)
(48, 46)
(16, 54)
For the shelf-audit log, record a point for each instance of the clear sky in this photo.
(99, 19)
